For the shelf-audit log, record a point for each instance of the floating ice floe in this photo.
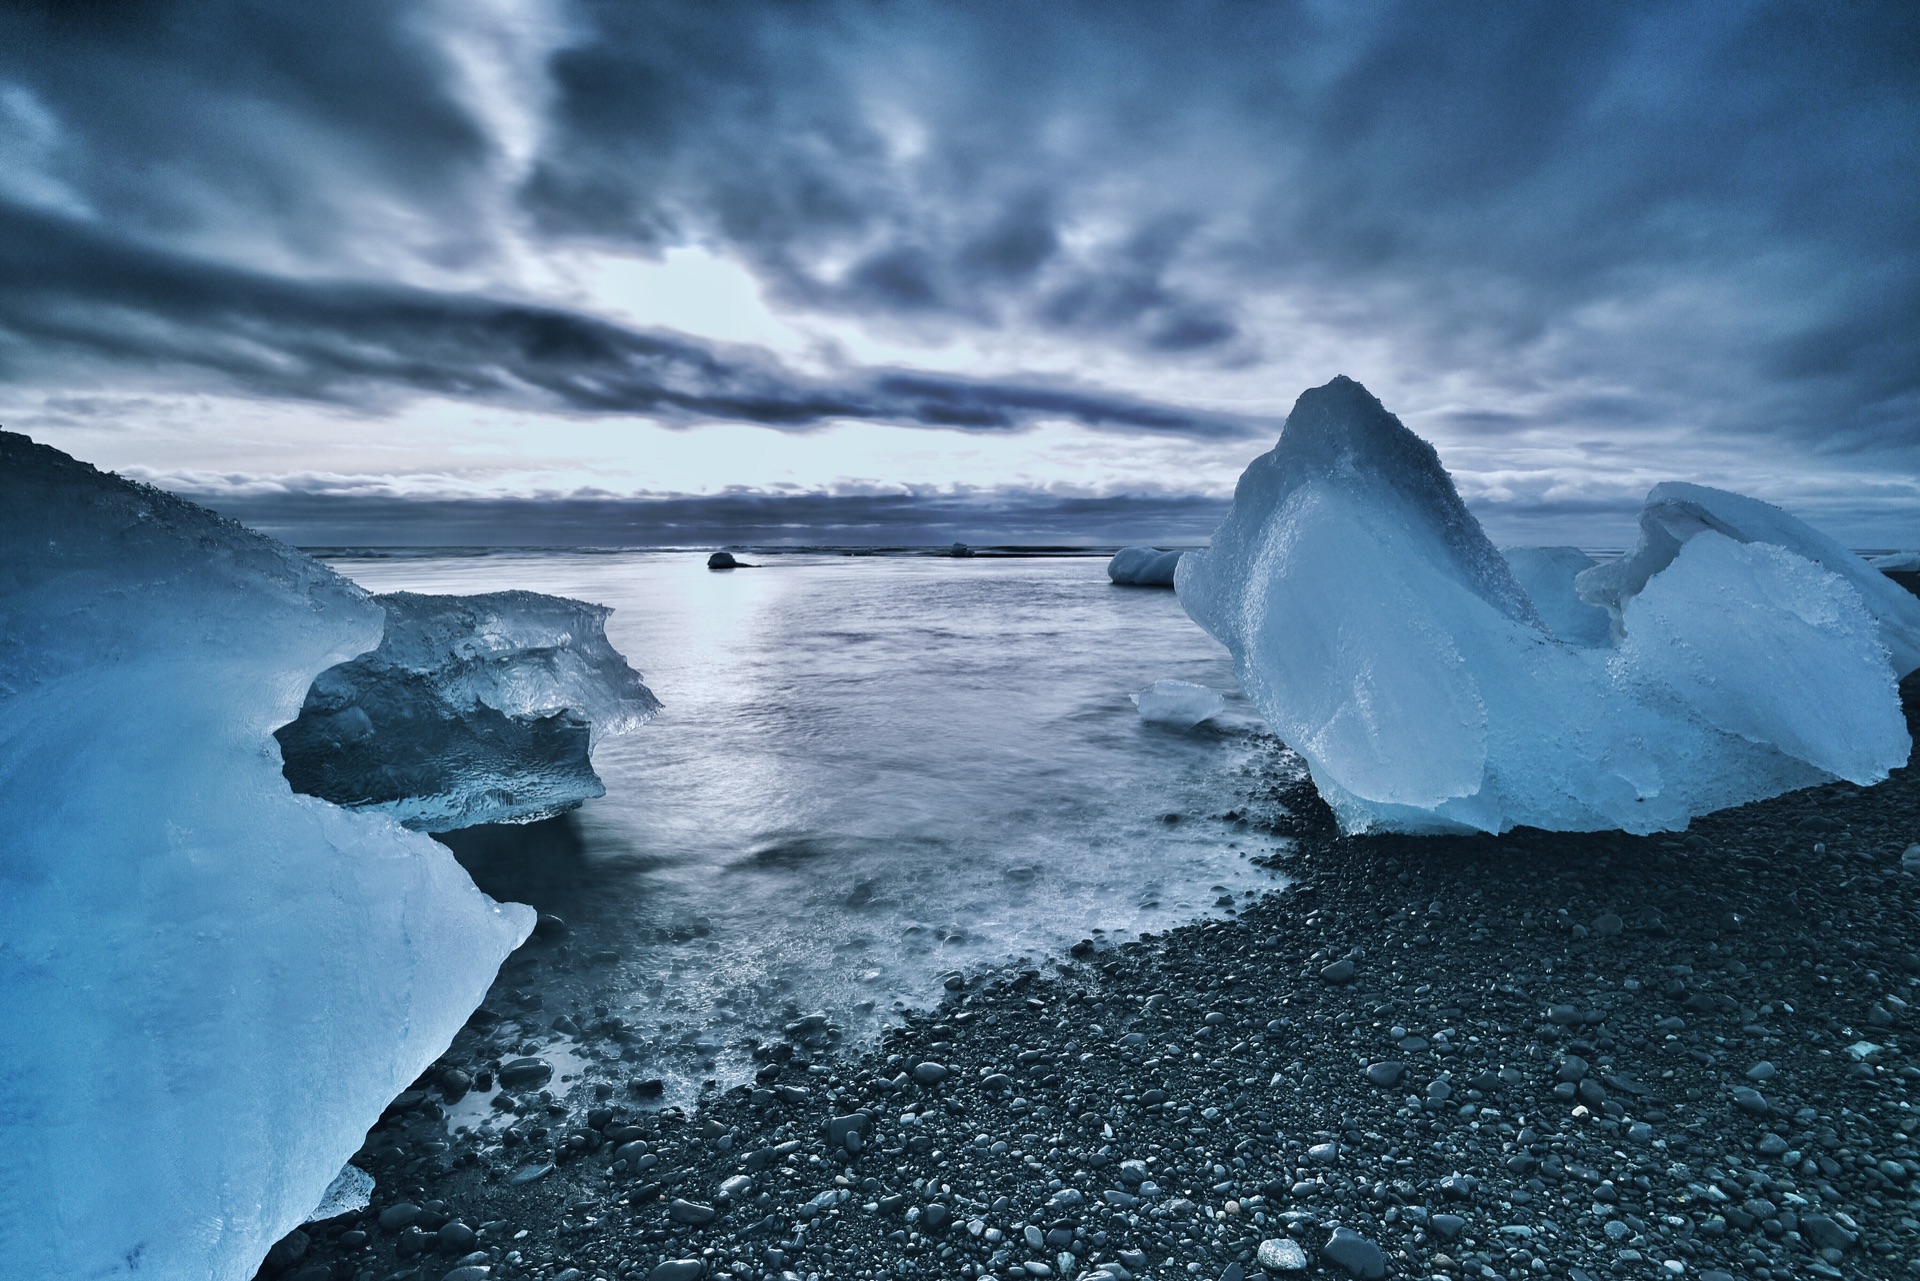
(209, 986)
(1142, 567)
(1178, 703)
(474, 709)
(1386, 640)
(1897, 563)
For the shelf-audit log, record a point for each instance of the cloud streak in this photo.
(74, 293)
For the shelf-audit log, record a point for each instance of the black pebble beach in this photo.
(1578, 1056)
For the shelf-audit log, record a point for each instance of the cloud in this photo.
(73, 292)
(1671, 221)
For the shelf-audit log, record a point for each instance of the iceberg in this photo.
(1386, 641)
(1897, 563)
(473, 709)
(212, 986)
(1181, 704)
(1142, 567)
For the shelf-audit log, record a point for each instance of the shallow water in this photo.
(870, 771)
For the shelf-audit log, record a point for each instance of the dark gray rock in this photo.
(522, 1074)
(676, 1270)
(1386, 1074)
(929, 1073)
(1825, 1233)
(1447, 1227)
(1354, 1255)
(1751, 1101)
(690, 1212)
(1341, 971)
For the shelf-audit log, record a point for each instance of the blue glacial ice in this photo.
(1181, 704)
(211, 985)
(473, 709)
(1388, 643)
(1547, 576)
(1142, 567)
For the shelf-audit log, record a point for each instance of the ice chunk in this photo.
(350, 1191)
(474, 709)
(211, 986)
(1179, 703)
(1385, 640)
(1142, 567)
(1897, 563)
(1546, 574)
(1727, 627)
(1676, 512)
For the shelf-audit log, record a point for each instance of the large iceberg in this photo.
(1142, 567)
(1386, 640)
(211, 986)
(474, 709)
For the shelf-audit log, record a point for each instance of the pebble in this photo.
(929, 1073)
(676, 1270)
(1608, 924)
(522, 1073)
(1281, 1254)
(398, 1215)
(1447, 1226)
(469, 1272)
(1324, 1153)
(1750, 1101)
(690, 1212)
(1761, 1072)
(531, 1173)
(1387, 1073)
(1355, 1255)
(1340, 971)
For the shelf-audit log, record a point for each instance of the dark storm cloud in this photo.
(1704, 215)
(72, 292)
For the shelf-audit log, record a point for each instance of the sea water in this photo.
(872, 772)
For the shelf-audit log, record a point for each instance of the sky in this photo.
(441, 271)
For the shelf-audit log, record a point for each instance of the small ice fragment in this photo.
(1897, 562)
(1179, 703)
(351, 1190)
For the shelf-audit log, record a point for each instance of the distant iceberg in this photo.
(1385, 639)
(211, 986)
(1142, 567)
(474, 709)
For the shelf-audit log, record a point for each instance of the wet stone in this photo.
(1386, 1074)
(1340, 971)
(676, 1270)
(690, 1212)
(1354, 1255)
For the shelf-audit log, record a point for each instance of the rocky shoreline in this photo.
(1541, 1054)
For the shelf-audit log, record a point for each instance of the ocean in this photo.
(872, 772)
